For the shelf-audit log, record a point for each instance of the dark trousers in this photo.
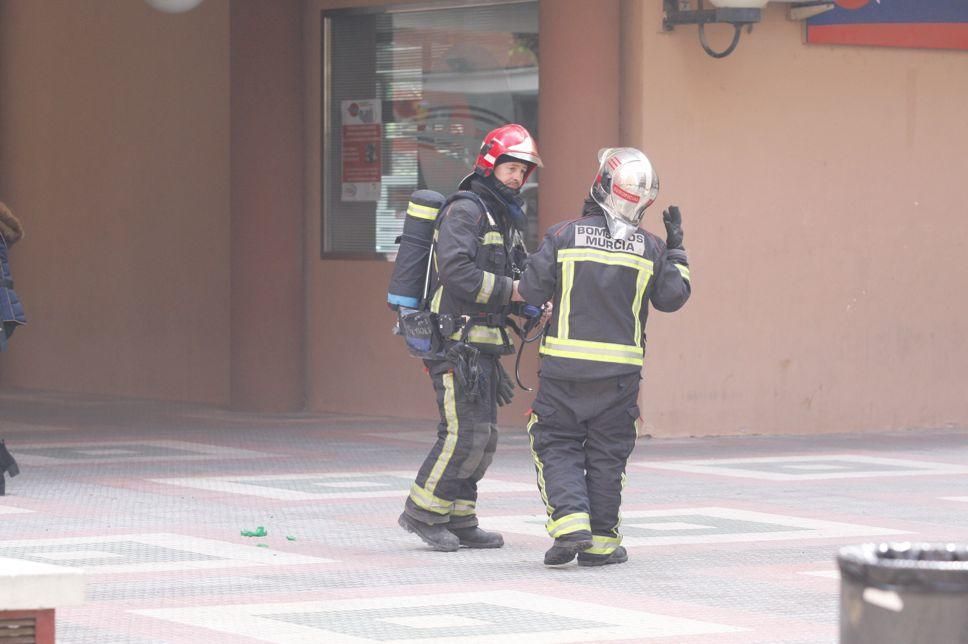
(582, 434)
(445, 490)
(6, 332)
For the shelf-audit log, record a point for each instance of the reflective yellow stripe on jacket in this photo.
(435, 300)
(491, 238)
(563, 345)
(487, 288)
(590, 350)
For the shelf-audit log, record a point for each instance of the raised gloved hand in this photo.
(505, 387)
(673, 224)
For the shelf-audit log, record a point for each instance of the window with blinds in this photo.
(408, 95)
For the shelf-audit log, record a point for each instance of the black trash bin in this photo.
(903, 593)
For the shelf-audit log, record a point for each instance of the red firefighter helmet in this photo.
(510, 140)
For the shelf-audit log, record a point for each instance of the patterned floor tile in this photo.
(10, 428)
(685, 526)
(802, 468)
(125, 452)
(325, 485)
(826, 574)
(10, 509)
(742, 544)
(473, 618)
(508, 437)
(148, 553)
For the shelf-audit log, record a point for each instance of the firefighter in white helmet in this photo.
(602, 272)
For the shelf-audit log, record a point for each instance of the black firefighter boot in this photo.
(437, 536)
(474, 537)
(567, 546)
(7, 465)
(617, 556)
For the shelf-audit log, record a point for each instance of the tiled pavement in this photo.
(730, 539)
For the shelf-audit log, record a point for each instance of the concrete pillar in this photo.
(578, 109)
(267, 191)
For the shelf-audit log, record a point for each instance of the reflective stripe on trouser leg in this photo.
(564, 524)
(462, 441)
(556, 446)
(611, 439)
(463, 508)
(538, 467)
(602, 545)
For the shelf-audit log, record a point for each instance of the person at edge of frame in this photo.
(602, 271)
(11, 310)
(478, 252)
(11, 316)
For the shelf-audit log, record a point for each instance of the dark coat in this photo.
(602, 289)
(472, 271)
(11, 310)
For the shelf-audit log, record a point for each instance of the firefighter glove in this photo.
(673, 225)
(505, 387)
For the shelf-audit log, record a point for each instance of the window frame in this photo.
(326, 134)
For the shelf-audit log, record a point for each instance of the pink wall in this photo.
(816, 184)
(268, 291)
(115, 154)
(819, 186)
(825, 224)
(579, 100)
(353, 363)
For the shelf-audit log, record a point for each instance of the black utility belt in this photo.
(425, 332)
(6, 283)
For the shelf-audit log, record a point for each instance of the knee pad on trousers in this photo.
(481, 439)
(488, 456)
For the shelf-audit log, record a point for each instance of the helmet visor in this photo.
(526, 157)
(625, 186)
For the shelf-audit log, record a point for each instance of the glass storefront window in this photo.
(408, 94)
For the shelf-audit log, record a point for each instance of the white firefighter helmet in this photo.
(625, 186)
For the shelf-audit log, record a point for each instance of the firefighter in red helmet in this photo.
(477, 254)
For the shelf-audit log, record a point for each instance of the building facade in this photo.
(193, 213)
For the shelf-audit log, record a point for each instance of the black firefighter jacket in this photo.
(472, 268)
(11, 231)
(602, 288)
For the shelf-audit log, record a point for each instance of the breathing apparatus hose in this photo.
(533, 314)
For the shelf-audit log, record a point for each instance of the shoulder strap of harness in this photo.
(466, 194)
(513, 237)
(460, 194)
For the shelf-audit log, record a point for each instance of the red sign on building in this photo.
(361, 142)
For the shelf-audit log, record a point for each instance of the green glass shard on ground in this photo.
(258, 532)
